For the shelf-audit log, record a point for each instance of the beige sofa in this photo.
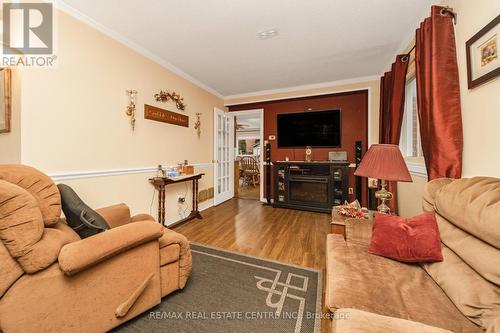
(368, 293)
(53, 281)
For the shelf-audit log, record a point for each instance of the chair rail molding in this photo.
(60, 176)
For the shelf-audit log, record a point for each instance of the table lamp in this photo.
(384, 162)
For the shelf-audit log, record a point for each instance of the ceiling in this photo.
(250, 122)
(214, 42)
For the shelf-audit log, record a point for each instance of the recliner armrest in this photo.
(115, 215)
(78, 256)
(358, 231)
(141, 217)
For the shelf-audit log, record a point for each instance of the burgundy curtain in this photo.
(438, 96)
(392, 100)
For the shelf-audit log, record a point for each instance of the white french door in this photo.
(223, 156)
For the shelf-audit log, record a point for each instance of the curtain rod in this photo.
(444, 10)
(449, 10)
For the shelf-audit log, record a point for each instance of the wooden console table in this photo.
(161, 182)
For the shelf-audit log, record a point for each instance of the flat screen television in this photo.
(313, 128)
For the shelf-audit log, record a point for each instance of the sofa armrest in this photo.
(80, 255)
(358, 231)
(115, 215)
(353, 320)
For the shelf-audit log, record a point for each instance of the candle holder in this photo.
(130, 111)
(197, 124)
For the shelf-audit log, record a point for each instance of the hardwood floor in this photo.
(246, 226)
(249, 192)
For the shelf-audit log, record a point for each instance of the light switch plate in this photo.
(372, 183)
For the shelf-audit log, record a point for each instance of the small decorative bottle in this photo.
(159, 171)
(308, 154)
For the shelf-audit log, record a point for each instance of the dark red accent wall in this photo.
(354, 108)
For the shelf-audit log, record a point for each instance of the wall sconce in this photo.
(197, 124)
(131, 106)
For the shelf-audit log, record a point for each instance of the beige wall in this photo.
(73, 119)
(372, 85)
(410, 196)
(480, 107)
(10, 143)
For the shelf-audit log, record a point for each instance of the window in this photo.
(248, 146)
(410, 142)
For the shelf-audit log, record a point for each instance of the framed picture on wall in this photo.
(483, 61)
(5, 96)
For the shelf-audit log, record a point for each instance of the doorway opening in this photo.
(248, 152)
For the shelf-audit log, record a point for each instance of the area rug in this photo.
(232, 292)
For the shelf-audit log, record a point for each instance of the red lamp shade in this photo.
(384, 162)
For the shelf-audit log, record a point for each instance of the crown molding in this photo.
(329, 84)
(61, 5)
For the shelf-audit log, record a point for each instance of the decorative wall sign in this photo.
(483, 61)
(165, 116)
(165, 96)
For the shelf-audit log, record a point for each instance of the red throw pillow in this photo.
(414, 239)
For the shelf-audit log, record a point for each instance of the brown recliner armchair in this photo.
(53, 281)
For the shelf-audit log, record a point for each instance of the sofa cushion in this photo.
(467, 213)
(430, 191)
(22, 230)
(473, 205)
(360, 280)
(414, 239)
(21, 222)
(361, 321)
(10, 270)
(37, 184)
(68, 233)
(481, 256)
(494, 326)
(474, 296)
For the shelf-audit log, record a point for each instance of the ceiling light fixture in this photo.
(267, 34)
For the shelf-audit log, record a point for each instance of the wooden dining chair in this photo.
(250, 169)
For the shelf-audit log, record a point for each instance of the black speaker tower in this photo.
(358, 153)
(268, 173)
